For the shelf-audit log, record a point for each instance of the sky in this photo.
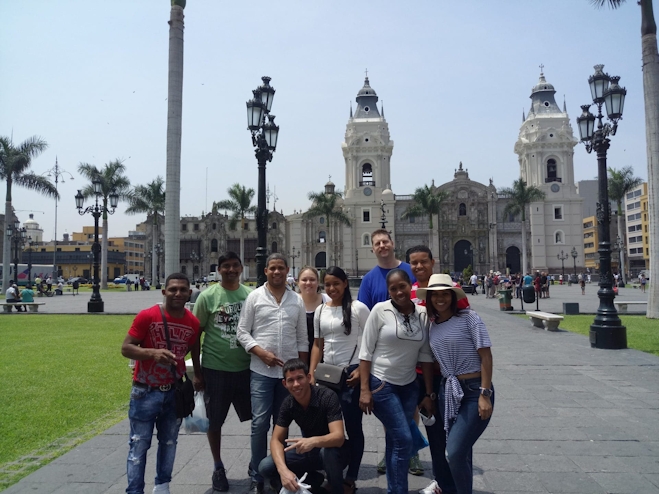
(454, 77)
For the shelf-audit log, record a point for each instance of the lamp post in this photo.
(16, 236)
(607, 330)
(90, 258)
(264, 140)
(383, 216)
(294, 256)
(158, 252)
(562, 256)
(95, 304)
(57, 172)
(29, 260)
(574, 254)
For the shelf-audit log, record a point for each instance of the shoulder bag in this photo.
(331, 376)
(183, 389)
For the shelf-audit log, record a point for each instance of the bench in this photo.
(544, 320)
(623, 306)
(31, 306)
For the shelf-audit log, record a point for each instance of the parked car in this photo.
(79, 279)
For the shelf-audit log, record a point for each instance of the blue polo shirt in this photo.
(373, 289)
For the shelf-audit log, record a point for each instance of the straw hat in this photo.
(440, 282)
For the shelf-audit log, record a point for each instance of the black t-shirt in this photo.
(323, 408)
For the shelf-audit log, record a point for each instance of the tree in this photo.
(650, 57)
(15, 162)
(150, 199)
(324, 205)
(427, 202)
(240, 205)
(174, 126)
(620, 183)
(520, 196)
(112, 179)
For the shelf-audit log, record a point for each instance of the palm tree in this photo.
(150, 199)
(112, 179)
(520, 196)
(621, 182)
(650, 57)
(427, 202)
(174, 124)
(15, 162)
(324, 205)
(240, 205)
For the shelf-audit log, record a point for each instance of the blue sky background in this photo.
(90, 77)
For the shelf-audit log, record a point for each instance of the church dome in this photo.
(542, 99)
(367, 100)
(367, 90)
(31, 224)
(542, 85)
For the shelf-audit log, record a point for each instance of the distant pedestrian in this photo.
(643, 282)
(473, 280)
(49, 284)
(582, 283)
(157, 369)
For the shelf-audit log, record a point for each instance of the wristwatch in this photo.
(487, 392)
(432, 396)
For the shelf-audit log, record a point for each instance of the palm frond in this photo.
(614, 4)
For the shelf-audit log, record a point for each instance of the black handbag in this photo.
(183, 388)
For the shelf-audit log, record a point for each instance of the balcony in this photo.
(553, 179)
(365, 183)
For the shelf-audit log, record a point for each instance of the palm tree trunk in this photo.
(6, 250)
(524, 264)
(621, 259)
(104, 254)
(174, 124)
(651, 92)
(154, 240)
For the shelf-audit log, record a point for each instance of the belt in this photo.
(161, 387)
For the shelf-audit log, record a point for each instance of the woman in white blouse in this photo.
(395, 339)
(338, 326)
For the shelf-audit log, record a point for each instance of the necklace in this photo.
(278, 299)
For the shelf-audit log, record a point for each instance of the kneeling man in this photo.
(318, 413)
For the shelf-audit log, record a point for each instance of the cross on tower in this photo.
(541, 67)
(366, 71)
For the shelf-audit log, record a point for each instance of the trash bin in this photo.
(528, 293)
(505, 299)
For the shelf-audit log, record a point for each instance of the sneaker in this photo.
(415, 466)
(433, 488)
(220, 482)
(382, 466)
(161, 488)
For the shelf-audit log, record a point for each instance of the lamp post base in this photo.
(95, 306)
(608, 337)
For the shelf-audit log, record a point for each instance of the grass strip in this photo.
(64, 381)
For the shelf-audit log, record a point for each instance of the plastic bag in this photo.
(198, 421)
(302, 488)
(418, 440)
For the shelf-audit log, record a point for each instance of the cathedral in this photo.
(470, 228)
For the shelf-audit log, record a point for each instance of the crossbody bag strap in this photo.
(169, 343)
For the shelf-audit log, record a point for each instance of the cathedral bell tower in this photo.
(545, 149)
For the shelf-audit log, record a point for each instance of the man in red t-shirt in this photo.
(152, 394)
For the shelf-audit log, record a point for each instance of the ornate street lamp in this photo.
(562, 256)
(607, 330)
(29, 260)
(57, 172)
(16, 237)
(294, 256)
(574, 254)
(95, 304)
(158, 252)
(264, 140)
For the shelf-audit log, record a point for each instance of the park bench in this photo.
(623, 307)
(31, 306)
(544, 320)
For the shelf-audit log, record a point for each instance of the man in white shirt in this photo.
(473, 281)
(12, 296)
(273, 329)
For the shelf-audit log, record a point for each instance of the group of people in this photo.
(409, 344)
(14, 295)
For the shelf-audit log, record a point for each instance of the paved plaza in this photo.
(567, 419)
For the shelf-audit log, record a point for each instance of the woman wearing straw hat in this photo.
(461, 345)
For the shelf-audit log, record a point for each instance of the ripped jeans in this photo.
(149, 407)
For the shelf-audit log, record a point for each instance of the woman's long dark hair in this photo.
(346, 303)
(430, 309)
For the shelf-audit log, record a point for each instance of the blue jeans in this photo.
(352, 418)
(394, 406)
(267, 395)
(149, 407)
(332, 460)
(463, 433)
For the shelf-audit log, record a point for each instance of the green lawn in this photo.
(642, 333)
(64, 380)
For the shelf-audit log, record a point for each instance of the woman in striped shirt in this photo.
(461, 345)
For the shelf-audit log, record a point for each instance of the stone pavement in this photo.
(568, 419)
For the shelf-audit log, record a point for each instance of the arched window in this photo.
(195, 270)
(184, 270)
(367, 175)
(214, 245)
(366, 240)
(321, 237)
(214, 226)
(463, 209)
(274, 226)
(273, 248)
(551, 170)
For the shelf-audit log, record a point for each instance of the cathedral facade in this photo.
(471, 228)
